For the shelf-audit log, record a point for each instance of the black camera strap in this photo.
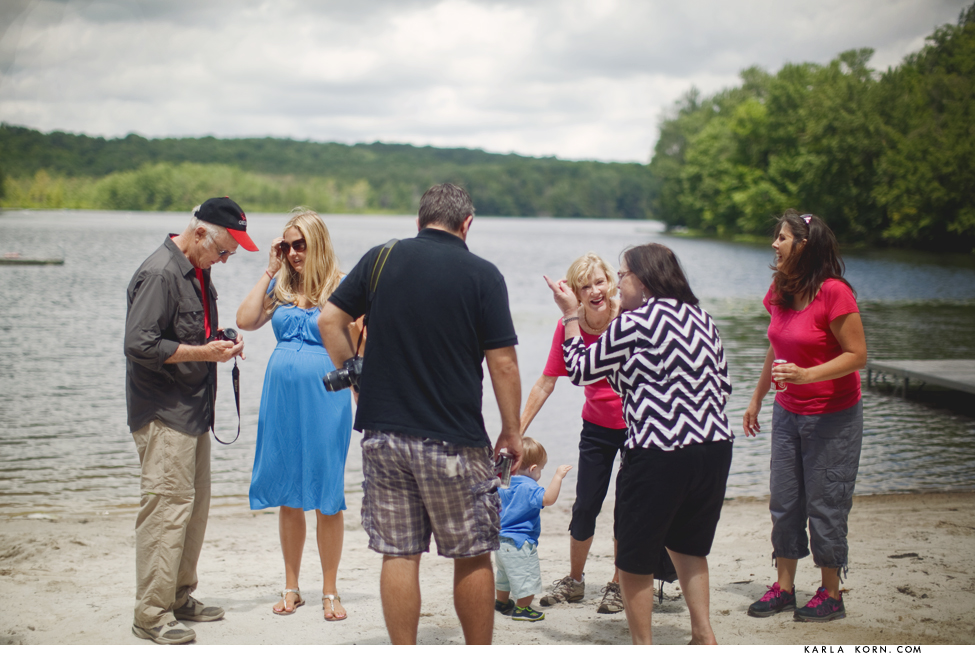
(235, 378)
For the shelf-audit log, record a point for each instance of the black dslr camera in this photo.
(347, 376)
(228, 334)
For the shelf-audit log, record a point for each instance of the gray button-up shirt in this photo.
(165, 309)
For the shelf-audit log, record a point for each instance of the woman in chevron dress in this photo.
(664, 357)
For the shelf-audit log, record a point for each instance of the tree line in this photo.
(267, 174)
(885, 159)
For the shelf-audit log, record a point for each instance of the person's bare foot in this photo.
(332, 606)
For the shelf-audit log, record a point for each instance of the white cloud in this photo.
(585, 79)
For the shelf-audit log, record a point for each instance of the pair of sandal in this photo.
(329, 610)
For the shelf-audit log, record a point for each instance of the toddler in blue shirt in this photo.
(519, 573)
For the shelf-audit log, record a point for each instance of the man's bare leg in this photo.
(474, 598)
(399, 588)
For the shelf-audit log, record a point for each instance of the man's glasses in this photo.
(299, 245)
(225, 253)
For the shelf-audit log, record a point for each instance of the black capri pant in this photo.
(598, 447)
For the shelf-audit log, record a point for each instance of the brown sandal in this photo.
(332, 599)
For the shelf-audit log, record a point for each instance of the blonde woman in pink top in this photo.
(603, 429)
(817, 419)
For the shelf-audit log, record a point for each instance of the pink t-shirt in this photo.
(603, 406)
(805, 339)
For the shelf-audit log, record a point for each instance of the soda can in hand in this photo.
(503, 467)
(778, 386)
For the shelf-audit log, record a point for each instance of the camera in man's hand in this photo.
(228, 334)
(347, 375)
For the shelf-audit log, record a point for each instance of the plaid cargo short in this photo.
(417, 486)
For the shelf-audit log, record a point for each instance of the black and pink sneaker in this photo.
(772, 602)
(821, 608)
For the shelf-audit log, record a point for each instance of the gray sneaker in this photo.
(195, 611)
(172, 633)
(566, 589)
(612, 600)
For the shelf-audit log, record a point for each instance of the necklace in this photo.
(595, 330)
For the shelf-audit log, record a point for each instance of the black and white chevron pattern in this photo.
(666, 361)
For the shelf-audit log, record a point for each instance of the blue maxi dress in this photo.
(303, 431)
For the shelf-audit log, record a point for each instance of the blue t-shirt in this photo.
(521, 505)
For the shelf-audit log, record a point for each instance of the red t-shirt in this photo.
(603, 406)
(805, 339)
(206, 301)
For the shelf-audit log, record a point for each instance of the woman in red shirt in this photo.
(593, 282)
(817, 419)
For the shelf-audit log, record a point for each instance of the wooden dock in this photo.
(956, 374)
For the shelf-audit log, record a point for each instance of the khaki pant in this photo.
(175, 489)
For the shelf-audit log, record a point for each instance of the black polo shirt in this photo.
(436, 310)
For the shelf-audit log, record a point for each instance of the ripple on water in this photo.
(64, 444)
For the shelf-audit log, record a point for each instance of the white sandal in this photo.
(332, 599)
(284, 596)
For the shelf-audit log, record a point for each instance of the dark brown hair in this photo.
(810, 263)
(446, 205)
(657, 268)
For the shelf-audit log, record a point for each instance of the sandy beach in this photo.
(70, 580)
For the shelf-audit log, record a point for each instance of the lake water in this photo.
(64, 444)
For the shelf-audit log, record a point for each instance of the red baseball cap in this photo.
(226, 213)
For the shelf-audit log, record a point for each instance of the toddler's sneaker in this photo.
(774, 601)
(527, 614)
(566, 589)
(821, 608)
(504, 608)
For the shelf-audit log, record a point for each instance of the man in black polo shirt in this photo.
(437, 313)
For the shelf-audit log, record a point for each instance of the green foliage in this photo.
(277, 174)
(886, 159)
(172, 187)
(927, 172)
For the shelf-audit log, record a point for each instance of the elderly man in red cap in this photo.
(172, 347)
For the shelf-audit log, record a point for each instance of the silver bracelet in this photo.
(568, 320)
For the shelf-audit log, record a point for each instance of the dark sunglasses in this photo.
(299, 245)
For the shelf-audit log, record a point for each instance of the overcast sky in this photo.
(578, 79)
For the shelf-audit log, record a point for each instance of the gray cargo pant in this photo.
(814, 469)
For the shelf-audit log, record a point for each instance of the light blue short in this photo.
(518, 569)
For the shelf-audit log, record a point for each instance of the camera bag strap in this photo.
(377, 269)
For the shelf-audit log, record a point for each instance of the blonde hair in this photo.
(532, 454)
(321, 273)
(583, 268)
